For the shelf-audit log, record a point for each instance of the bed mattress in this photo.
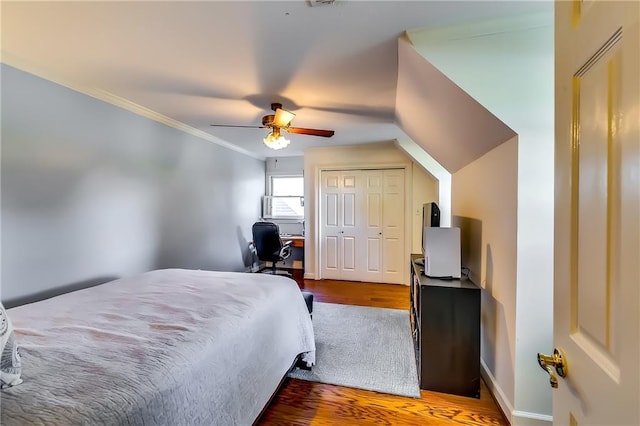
(168, 347)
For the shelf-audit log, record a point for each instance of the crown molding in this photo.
(118, 101)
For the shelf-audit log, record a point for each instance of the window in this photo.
(285, 197)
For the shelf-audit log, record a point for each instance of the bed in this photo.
(168, 347)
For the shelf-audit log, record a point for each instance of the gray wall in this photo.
(91, 191)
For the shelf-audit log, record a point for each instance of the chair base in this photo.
(269, 270)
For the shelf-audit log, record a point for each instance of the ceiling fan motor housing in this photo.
(267, 120)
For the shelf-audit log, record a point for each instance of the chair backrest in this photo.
(266, 238)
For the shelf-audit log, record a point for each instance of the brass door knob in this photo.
(556, 362)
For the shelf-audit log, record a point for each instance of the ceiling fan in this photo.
(277, 122)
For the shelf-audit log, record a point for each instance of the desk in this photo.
(297, 241)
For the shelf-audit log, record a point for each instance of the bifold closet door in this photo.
(382, 257)
(362, 225)
(370, 258)
(340, 224)
(394, 258)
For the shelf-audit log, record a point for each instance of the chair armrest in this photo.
(285, 251)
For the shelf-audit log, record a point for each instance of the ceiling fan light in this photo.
(275, 140)
(282, 117)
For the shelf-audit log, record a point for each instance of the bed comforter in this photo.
(168, 347)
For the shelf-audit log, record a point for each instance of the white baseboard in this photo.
(309, 276)
(514, 417)
(523, 418)
(496, 390)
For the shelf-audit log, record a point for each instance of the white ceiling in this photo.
(335, 66)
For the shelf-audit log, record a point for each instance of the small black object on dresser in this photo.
(445, 325)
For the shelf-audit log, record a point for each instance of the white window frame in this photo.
(269, 197)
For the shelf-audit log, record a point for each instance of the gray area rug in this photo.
(363, 347)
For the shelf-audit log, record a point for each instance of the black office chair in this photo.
(269, 246)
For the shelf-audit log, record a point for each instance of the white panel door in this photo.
(331, 217)
(351, 224)
(371, 261)
(597, 222)
(340, 227)
(394, 258)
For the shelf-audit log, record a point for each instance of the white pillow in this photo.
(10, 365)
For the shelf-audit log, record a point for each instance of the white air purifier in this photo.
(441, 247)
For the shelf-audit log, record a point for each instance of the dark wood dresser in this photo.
(445, 324)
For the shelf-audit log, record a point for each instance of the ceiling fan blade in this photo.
(233, 125)
(282, 117)
(312, 132)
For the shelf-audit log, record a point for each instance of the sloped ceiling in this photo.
(439, 116)
(200, 63)
(506, 64)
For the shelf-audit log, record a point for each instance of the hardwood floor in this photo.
(308, 403)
